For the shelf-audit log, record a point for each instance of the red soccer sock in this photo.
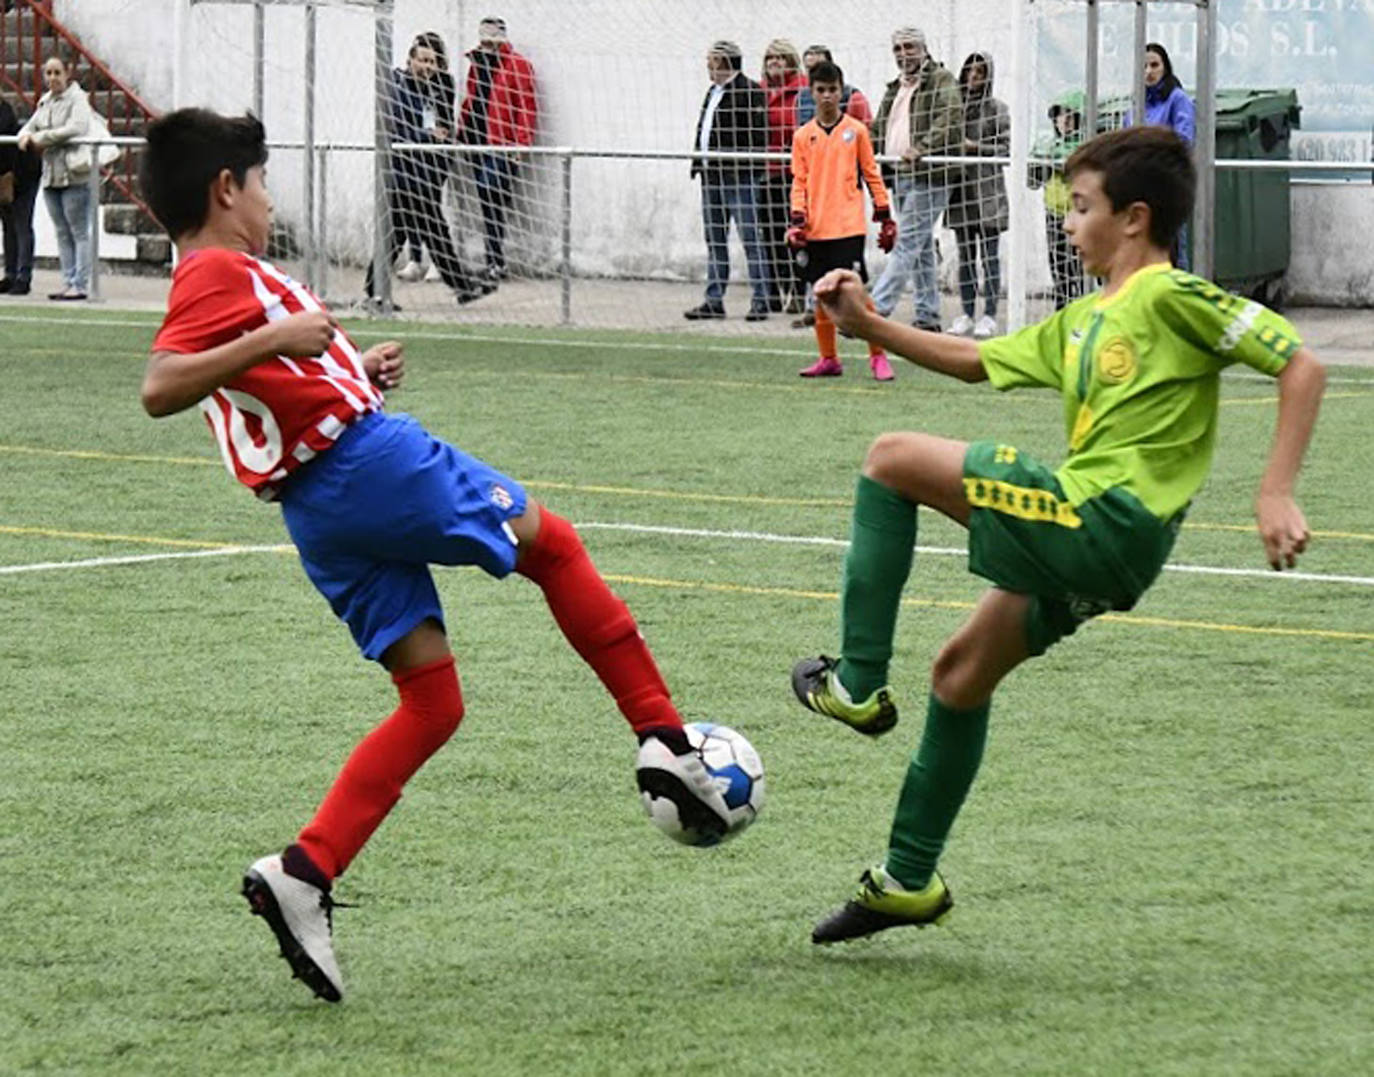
(370, 783)
(873, 349)
(825, 333)
(597, 623)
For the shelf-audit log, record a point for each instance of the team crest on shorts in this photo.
(1116, 361)
(500, 496)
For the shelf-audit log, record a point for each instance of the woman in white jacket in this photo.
(64, 113)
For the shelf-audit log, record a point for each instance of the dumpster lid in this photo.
(1235, 107)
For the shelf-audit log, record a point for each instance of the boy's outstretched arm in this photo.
(1282, 527)
(843, 294)
(174, 381)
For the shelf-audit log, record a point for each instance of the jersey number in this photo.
(260, 455)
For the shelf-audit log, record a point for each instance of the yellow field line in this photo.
(118, 457)
(677, 495)
(1275, 399)
(100, 536)
(930, 603)
(591, 488)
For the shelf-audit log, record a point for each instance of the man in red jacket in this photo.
(499, 109)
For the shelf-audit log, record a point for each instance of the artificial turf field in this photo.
(1164, 866)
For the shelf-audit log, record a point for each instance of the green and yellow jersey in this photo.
(1139, 372)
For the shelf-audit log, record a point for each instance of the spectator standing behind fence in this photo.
(415, 178)
(64, 114)
(827, 222)
(852, 103)
(1047, 171)
(499, 109)
(978, 209)
(920, 115)
(733, 118)
(1167, 105)
(782, 82)
(440, 100)
(18, 193)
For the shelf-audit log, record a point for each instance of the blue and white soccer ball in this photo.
(737, 771)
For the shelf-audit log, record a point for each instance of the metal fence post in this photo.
(1205, 143)
(93, 286)
(567, 238)
(321, 270)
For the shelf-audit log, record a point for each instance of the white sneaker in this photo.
(678, 791)
(962, 327)
(300, 915)
(986, 327)
(432, 275)
(411, 271)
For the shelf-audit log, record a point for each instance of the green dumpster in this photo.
(1251, 220)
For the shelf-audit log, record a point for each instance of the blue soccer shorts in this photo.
(387, 501)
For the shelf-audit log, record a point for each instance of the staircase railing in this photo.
(123, 109)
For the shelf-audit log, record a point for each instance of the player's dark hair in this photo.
(1142, 164)
(825, 71)
(187, 149)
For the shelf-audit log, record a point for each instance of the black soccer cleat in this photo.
(819, 689)
(880, 904)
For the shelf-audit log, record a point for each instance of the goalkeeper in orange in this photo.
(832, 158)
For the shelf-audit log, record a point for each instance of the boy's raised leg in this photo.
(901, 471)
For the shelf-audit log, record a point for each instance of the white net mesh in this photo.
(551, 157)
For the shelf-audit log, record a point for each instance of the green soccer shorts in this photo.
(1075, 561)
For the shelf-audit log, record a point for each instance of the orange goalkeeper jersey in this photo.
(826, 169)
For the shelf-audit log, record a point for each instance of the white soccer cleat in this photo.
(986, 328)
(962, 327)
(673, 781)
(300, 915)
(432, 275)
(411, 271)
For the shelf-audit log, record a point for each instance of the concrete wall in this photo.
(625, 74)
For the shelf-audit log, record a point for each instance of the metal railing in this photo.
(316, 265)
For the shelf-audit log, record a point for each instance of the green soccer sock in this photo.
(882, 541)
(937, 781)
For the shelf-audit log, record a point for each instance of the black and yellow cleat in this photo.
(880, 904)
(818, 689)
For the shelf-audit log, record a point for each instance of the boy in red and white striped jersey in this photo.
(370, 500)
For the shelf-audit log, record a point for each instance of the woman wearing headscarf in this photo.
(978, 208)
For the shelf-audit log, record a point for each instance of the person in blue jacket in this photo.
(1167, 105)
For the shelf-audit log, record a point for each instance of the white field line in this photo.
(138, 559)
(953, 551)
(679, 532)
(615, 345)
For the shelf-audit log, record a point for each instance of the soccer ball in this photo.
(736, 769)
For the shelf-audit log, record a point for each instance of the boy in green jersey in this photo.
(1138, 366)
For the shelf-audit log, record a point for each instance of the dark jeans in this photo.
(970, 240)
(495, 175)
(18, 221)
(416, 215)
(775, 214)
(1065, 269)
(720, 204)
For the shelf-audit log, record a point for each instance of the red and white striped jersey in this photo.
(284, 411)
